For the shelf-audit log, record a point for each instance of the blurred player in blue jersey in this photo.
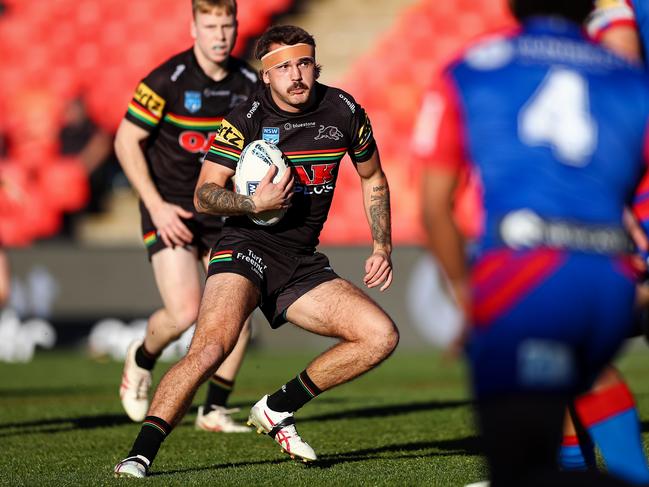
(608, 412)
(556, 128)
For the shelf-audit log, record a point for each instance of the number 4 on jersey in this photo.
(558, 116)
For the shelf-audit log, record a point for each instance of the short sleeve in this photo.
(437, 140)
(228, 143)
(363, 145)
(147, 106)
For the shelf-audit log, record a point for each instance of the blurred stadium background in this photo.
(67, 214)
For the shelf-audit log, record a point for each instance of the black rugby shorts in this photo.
(280, 276)
(205, 229)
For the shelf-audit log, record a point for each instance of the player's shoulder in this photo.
(240, 68)
(339, 99)
(486, 52)
(248, 111)
(171, 70)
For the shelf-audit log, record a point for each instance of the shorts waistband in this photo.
(525, 229)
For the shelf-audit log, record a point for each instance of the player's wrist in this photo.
(152, 202)
(384, 248)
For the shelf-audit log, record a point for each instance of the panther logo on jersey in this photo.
(328, 132)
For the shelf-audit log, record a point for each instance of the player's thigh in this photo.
(227, 302)
(178, 276)
(337, 308)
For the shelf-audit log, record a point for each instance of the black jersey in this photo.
(182, 107)
(314, 141)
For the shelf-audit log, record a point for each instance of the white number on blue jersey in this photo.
(558, 116)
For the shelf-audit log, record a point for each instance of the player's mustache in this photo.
(298, 85)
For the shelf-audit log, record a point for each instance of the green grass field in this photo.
(406, 423)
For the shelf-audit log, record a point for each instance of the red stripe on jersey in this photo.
(324, 151)
(519, 277)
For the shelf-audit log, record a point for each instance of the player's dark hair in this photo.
(206, 6)
(288, 35)
(575, 10)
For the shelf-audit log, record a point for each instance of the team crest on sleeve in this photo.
(193, 101)
(270, 134)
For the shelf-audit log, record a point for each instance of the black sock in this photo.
(218, 391)
(294, 394)
(145, 359)
(153, 432)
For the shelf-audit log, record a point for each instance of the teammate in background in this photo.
(277, 267)
(170, 123)
(548, 297)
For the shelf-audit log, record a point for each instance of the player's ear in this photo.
(265, 78)
(192, 28)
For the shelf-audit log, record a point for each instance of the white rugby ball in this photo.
(256, 158)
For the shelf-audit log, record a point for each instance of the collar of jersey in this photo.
(553, 26)
(196, 68)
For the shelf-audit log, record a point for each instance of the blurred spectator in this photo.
(4, 144)
(81, 137)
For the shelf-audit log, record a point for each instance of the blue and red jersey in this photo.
(551, 122)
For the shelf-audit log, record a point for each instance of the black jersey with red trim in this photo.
(314, 141)
(182, 108)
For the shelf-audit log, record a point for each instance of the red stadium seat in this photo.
(65, 184)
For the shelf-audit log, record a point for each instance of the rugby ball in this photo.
(256, 158)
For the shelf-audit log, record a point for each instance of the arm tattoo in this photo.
(216, 200)
(380, 215)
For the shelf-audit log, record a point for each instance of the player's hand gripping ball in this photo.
(256, 158)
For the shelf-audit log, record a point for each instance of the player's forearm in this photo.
(446, 243)
(376, 194)
(216, 200)
(133, 162)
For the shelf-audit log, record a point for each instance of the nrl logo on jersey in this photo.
(328, 132)
(193, 101)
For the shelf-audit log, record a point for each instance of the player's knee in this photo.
(183, 316)
(206, 359)
(382, 339)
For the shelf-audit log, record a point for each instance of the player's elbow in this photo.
(197, 201)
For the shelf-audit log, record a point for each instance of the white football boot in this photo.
(280, 426)
(136, 382)
(135, 467)
(219, 420)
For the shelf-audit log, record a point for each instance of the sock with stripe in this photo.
(294, 394)
(218, 391)
(575, 456)
(145, 359)
(612, 421)
(152, 433)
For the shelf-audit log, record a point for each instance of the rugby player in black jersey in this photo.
(175, 113)
(277, 267)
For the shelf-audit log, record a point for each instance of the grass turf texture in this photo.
(406, 423)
